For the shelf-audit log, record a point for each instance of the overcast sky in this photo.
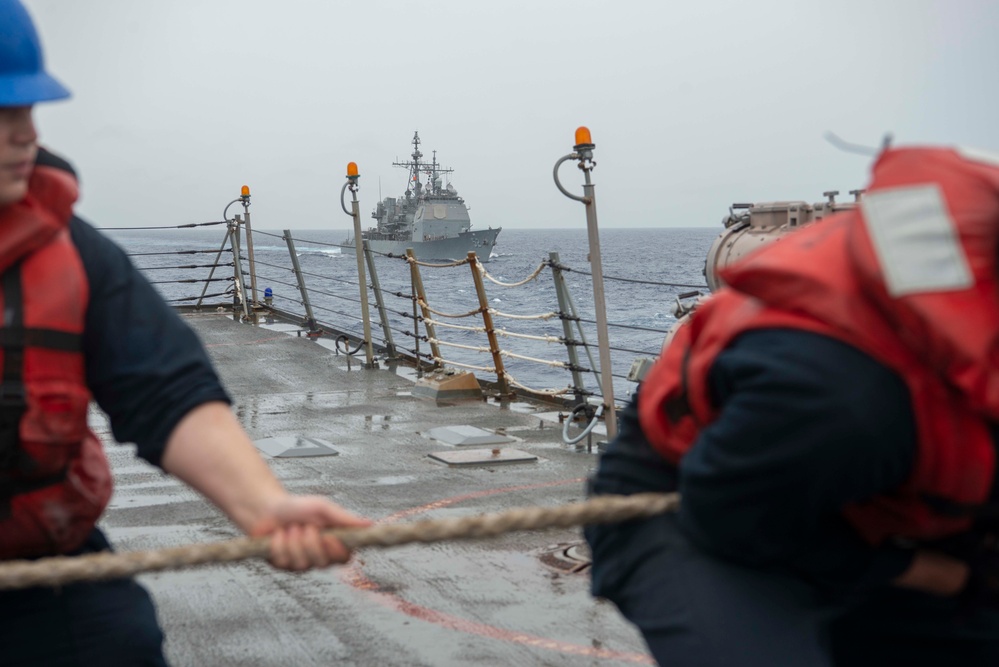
(692, 105)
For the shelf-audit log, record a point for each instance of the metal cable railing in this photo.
(634, 327)
(174, 252)
(634, 281)
(352, 283)
(521, 338)
(187, 226)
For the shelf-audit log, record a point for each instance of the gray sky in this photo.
(692, 105)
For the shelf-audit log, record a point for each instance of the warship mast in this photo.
(416, 167)
(413, 166)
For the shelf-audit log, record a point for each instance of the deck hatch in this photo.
(475, 457)
(295, 446)
(467, 436)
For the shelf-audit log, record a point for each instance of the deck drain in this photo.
(571, 557)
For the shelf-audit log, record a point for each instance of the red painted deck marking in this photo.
(353, 575)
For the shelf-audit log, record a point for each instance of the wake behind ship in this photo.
(429, 217)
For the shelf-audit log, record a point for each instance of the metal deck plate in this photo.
(460, 436)
(472, 457)
(295, 446)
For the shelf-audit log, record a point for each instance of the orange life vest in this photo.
(912, 279)
(54, 478)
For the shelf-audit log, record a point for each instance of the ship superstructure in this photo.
(429, 217)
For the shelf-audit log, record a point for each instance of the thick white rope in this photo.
(62, 570)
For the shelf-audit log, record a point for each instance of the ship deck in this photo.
(520, 599)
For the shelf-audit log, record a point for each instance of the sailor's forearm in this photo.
(209, 450)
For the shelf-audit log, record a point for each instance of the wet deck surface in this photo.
(513, 600)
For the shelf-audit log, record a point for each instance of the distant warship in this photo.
(430, 217)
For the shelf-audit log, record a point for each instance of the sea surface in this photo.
(644, 272)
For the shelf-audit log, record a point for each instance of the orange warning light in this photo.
(351, 170)
(245, 191)
(583, 135)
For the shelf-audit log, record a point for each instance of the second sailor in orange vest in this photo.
(861, 504)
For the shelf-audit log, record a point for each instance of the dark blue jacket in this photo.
(807, 426)
(145, 366)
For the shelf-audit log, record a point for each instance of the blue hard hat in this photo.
(23, 80)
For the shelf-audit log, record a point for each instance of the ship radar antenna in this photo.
(417, 167)
(433, 173)
(416, 147)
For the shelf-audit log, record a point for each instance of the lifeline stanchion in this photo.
(565, 305)
(61, 570)
(310, 319)
(421, 298)
(376, 288)
(583, 151)
(239, 294)
(212, 272)
(244, 198)
(487, 322)
(351, 184)
(240, 285)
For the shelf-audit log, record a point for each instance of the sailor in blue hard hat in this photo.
(80, 323)
(23, 83)
(23, 79)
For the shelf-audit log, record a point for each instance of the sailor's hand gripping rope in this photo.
(62, 570)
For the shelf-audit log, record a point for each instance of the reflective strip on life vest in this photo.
(916, 241)
(978, 155)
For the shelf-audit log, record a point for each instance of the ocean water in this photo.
(644, 271)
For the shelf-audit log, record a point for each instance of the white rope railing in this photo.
(546, 338)
(448, 362)
(423, 304)
(553, 364)
(459, 262)
(511, 334)
(473, 348)
(537, 271)
(544, 392)
(460, 327)
(543, 316)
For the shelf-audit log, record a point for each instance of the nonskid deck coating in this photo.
(492, 602)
